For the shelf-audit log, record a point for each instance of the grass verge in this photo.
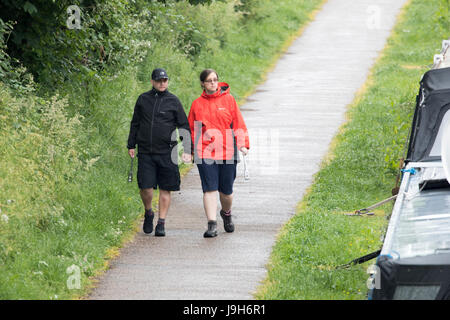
(359, 171)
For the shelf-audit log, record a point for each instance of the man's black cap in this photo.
(159, 73)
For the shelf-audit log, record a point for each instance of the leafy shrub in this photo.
(12, 72)
(41, 148)
(111, 33)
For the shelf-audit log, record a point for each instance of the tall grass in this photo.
(64, 198)
(360, 171)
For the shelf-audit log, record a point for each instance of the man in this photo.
(156, 116)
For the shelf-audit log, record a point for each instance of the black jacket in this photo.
(155, 118)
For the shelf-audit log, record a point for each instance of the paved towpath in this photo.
(292, 118)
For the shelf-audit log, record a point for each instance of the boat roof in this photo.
(420, 220)
(431, 113)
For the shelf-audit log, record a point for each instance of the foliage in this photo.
(203, 2)
(112, 36)
(442, 15)
(44, 137)
(246, 7)
(12, 72)
(172, 28)
(41, 151)
(111, 33)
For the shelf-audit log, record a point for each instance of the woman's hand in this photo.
(131, 152)
(187, 158)
(244, 151)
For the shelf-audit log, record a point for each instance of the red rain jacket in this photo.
(222, 126)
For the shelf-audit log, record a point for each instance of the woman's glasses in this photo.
(211, 81)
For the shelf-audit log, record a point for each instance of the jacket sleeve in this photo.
(191, 119)
(239, 127)
(134, 127)
(183, 123)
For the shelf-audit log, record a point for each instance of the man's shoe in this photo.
(159, 230)
(228, 224)
(148, 222)
(212, 230)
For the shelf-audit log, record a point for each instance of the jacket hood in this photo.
(222, 89)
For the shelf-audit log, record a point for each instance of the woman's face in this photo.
(211, 83)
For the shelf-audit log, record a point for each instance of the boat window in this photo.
(406, 292)
(436, 150)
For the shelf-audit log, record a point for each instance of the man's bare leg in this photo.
(164, 203)
(147, 197)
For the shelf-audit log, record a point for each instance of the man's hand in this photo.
(244, 151)
(131, 152)
(187, 158)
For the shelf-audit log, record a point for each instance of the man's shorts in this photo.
(217, 176)
(157, 170)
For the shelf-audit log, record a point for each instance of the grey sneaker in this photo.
(228, 224)
(212, 230)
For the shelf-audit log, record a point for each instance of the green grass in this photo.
(359, 171)
(64, 198)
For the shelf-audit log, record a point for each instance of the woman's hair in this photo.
(205, 73)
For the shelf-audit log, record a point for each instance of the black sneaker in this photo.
(148, 222)
(212, 230)
(159, 230)
(228, 225)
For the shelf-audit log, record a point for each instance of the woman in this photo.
(218, 131)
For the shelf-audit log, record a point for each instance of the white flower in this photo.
(44, 263)
(62, 222)
(5, 218)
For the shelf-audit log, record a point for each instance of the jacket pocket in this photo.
(143, 135)
(162, 135)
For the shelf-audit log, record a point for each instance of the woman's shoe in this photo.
(212, 230)
(228, 224)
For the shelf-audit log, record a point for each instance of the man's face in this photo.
(161, 84)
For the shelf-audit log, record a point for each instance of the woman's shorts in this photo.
(157, 170)
(217, 176)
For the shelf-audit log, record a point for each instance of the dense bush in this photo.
(108, 33)
(40, 147)
(12, 72)
(96, 39)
